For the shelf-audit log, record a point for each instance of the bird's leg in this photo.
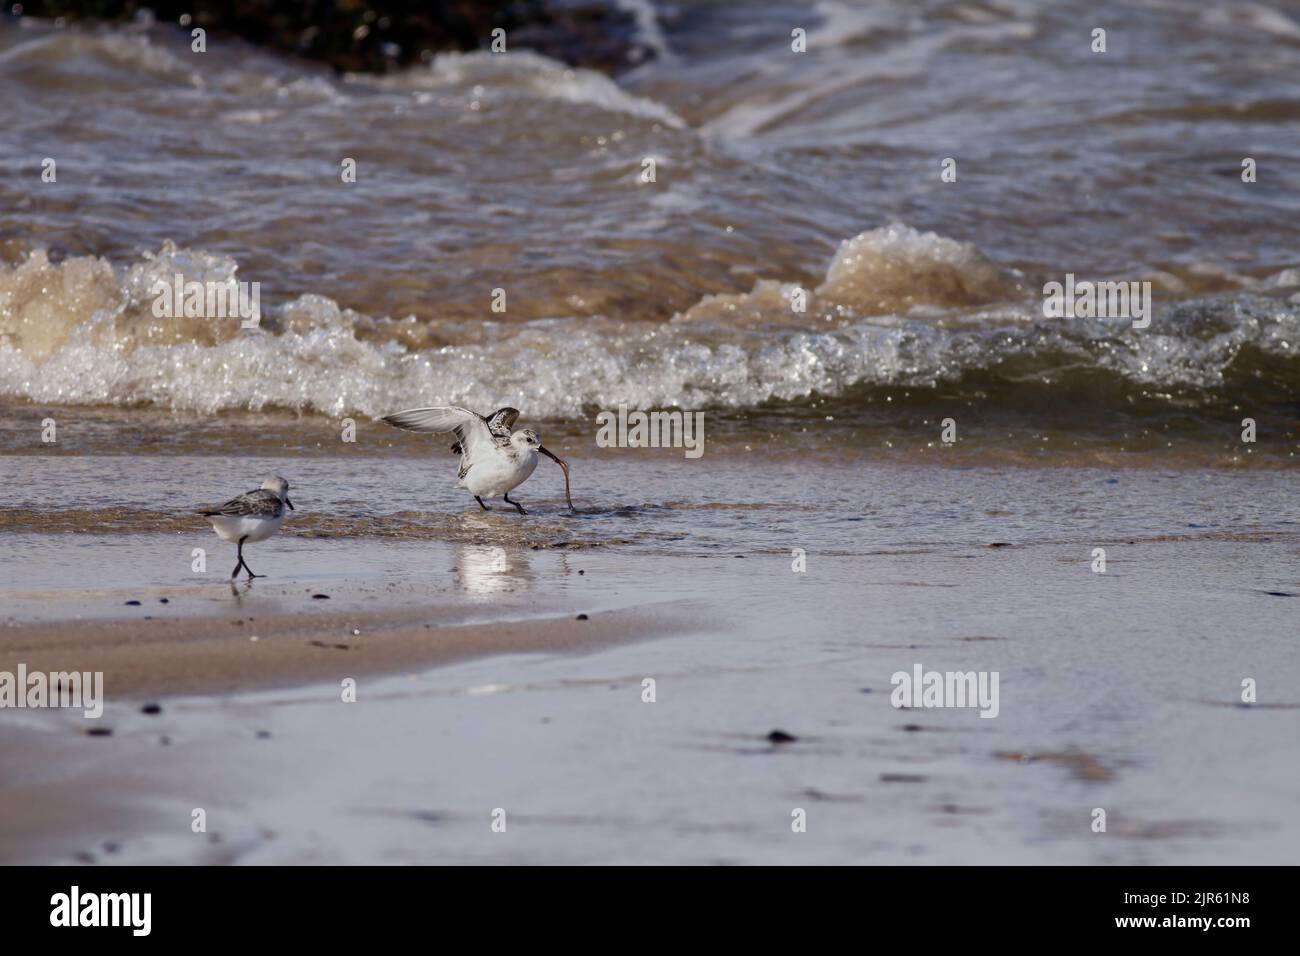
(506, 499)
(235, 573)
(251, 575)
(480, 503)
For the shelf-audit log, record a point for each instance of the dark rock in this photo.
(781, 737)
(378, 36)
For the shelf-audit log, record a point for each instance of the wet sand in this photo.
(1118, 691)
(228, 655)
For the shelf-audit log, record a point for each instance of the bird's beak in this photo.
(289, 503)
(565, 467)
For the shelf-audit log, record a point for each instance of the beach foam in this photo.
(83, 332)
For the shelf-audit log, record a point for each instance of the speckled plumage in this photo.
(251, 517)
(493, 460)
(259, 504)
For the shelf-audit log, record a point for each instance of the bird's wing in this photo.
(254, 504)
(501, 421)
(470, 428)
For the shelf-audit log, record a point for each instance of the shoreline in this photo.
(547, 717)
(769, 607)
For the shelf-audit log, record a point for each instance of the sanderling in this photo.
(250, 517)
(493, 461)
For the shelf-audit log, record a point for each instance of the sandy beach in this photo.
(478, 688)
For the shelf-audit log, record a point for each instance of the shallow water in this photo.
(118, 520)
(1117, 690)
(775, 170)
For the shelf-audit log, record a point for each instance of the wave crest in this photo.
(897, 308)
(888, 270)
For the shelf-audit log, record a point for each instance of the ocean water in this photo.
(777, 174)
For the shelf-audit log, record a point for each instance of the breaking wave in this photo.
(896, 308)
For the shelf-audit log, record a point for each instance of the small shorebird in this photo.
(493, 461)
(251, 517)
